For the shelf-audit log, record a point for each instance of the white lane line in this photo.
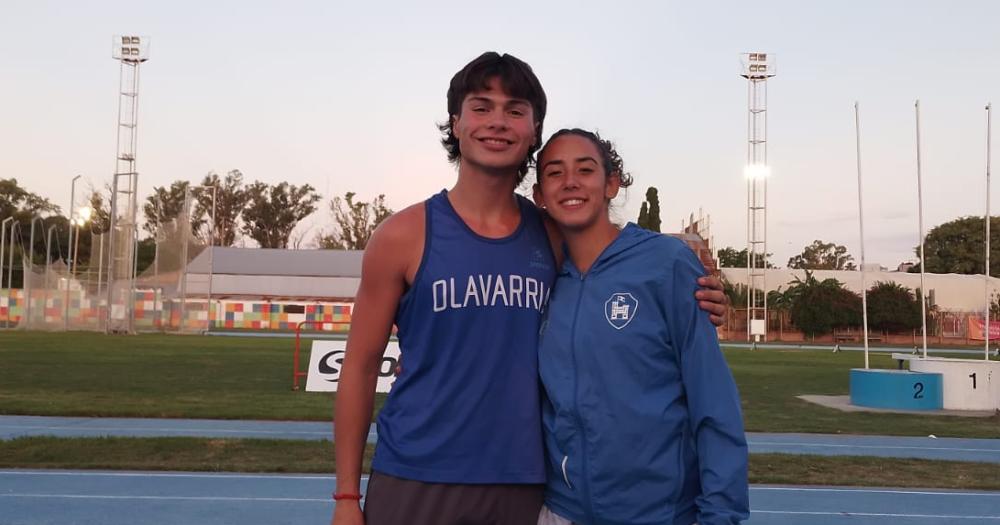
(22, 431)
(327, 501)
(162, 429)
(884, 447)
(220, 475)
(874, 515)
(874, 491)
(169, 498)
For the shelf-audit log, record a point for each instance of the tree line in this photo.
(265, 213)
(268, 214)
(819, 307)
(817, 256)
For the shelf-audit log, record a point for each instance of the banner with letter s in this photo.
(327, 359)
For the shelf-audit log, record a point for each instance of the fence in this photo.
(944, 327)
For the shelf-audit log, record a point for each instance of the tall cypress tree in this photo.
(653, 218)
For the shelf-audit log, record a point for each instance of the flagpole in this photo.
(861, 222)
(923, 260)
(986, 273)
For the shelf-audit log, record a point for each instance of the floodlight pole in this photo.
(757, 68)
(986, 273)
(861, 227)
(920, 214)
(131, 51)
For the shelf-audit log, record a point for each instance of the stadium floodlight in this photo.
(757, 66)
(130, 48)
(757, 171)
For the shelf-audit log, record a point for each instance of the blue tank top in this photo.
(466, 407)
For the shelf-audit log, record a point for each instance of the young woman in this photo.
(641, 414)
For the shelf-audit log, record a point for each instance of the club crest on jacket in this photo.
(620, 309)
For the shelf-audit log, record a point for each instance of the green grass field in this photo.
(258, 455)
(86, 374)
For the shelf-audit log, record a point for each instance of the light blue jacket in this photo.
(641, 414)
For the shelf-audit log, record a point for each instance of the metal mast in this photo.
(757, 68)
(131, 51)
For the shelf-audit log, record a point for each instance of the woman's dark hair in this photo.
(611, 161)
(517, 80)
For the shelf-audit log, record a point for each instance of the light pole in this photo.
(48, 266)
(31, 269)
(10, 256)
(69, 246)
(3, 241)
(757, 68)
(131, 51)
(72, 203)
(211, 255)
(100, 277)
(83, 217)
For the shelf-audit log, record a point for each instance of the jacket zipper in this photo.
(566, 476)
(576, 405)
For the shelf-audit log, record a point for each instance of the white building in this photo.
(948, 291)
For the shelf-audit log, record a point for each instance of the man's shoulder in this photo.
(398, 241)
(403, 227)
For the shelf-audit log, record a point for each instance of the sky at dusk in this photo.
(345, 96)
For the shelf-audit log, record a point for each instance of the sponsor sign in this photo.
(976, 329)
(327, 359)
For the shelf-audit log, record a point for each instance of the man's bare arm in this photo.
(712, 299)
(383, 282)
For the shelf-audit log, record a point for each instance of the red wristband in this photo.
(337, 496)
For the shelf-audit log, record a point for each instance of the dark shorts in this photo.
(396, 501)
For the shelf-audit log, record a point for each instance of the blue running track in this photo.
(145, 498)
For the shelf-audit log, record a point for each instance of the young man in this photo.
(464, 276)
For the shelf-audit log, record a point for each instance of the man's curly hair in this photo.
(517, 80)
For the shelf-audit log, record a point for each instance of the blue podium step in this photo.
(899, 389)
